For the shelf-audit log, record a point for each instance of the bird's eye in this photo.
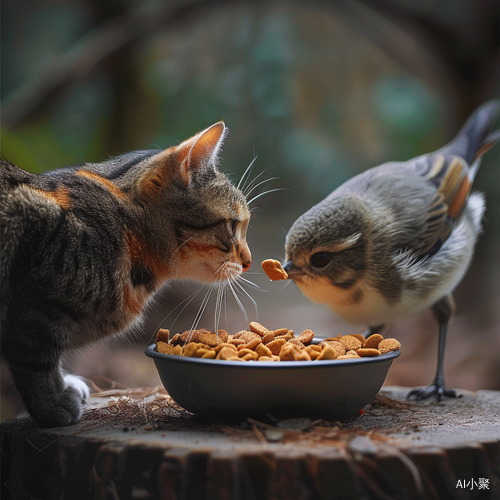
(321, 259)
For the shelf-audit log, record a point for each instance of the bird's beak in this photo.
(294, 272)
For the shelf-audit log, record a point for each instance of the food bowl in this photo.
(236, 390)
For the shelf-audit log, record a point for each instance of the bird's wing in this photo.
(449, 175)
(424, 197)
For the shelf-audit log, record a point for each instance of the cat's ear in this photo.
(197, 153)
(201, 151)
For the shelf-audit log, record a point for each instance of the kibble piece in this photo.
(292, 352)
(165, 348)
(373, 341)
(249, 336)
(175, 340)
(209, 338)
(201, 351)
(368, 352)
(263, 350)
(327, 353)
(258, 328)
(289, 335)
(223, 336)
(313, 347)
(267, 358)
(227, 353)
(281, 331)
(237, 335)
(333, 339)
(209, 354)
(247, 354)
(274, 270)
(306, 337)
(339, 348)
(268, 337)
(276, 345)
(162, 335)
(359, 337)
(251, 345)
(350, 342)
(388, 345)
(313, 353)
(237, 342)
(297, 342)
(227, 344)
(189, 350)
(348, 356)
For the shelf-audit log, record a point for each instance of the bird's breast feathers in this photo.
(357, 305)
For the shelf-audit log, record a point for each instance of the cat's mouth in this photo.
(229, 271)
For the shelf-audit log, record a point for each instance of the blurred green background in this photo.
(319, 91)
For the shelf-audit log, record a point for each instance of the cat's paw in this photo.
(78, 385)
(67, 409)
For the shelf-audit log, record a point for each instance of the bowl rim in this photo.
(249, 365)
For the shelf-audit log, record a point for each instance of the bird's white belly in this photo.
(372, 309)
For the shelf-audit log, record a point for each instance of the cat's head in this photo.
(194, 219)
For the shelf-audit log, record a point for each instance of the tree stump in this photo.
(143, 446)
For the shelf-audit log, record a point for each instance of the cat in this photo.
(83, 250)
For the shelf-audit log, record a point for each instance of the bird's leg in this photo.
(371, 330)
(443, 311)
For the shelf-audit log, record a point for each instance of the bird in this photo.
(397, 239)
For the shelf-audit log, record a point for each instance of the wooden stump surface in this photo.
(142, 446)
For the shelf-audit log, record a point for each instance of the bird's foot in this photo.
(439, 390)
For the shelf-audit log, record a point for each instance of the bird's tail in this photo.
(475, 137)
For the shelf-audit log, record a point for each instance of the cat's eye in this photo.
(234, 225)
(321, 259)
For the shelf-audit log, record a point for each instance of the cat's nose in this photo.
(246, 257)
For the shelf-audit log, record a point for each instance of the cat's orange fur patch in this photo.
(132, 302)
(140, 254)
(158, 176)
(106, 183)
(61, 196)
(200, 247)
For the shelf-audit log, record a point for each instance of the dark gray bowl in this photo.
(235, 390)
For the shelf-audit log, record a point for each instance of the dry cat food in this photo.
(260, 344)
(274, 270)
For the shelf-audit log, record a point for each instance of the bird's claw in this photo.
(435, 389)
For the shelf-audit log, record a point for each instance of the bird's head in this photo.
(327, 247)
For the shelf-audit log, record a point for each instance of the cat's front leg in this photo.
(51, 397)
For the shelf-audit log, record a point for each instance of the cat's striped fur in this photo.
(83, 249)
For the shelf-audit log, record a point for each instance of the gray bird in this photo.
(396, 239)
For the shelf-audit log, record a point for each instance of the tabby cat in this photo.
(83, 249)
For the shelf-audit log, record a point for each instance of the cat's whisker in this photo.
(218, 305)
(237, 299)
(200, 312)
(184, 302)
(263, 193)
(225, 305)
(252, 183)
(247, 194)
(240, 287)
(245, 175)
(250, 283)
